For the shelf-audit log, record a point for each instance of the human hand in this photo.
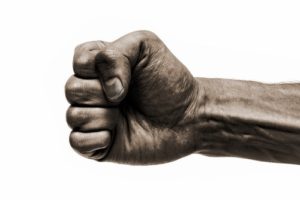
(130, 101)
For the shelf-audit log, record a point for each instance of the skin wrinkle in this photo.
(151, 87)
(259, 132)
(164, 113)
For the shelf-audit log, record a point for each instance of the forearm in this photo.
(249, 119)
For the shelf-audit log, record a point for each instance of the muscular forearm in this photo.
(147, 108)
(249, 119)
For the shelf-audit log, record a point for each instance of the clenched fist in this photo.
(130, 101)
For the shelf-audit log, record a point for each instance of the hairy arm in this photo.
(248, 119)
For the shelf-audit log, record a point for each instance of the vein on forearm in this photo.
(252, 120)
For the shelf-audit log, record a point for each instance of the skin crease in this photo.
(149, 127)
(133, 102)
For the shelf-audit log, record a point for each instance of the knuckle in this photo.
(82, 59)
(84, 92)
(73, 89)
(72, 112)
(74, 117)
(84, 119)
(75, 141)
(70, 86)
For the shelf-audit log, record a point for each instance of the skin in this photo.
(133, 102)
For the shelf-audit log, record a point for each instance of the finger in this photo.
(116, 60)
(88, 143)
(87, 92)
(91, 118)
(84, 58)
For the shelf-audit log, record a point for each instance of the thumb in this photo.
(114, 63)
(114, 73)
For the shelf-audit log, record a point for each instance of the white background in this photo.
(257, 40)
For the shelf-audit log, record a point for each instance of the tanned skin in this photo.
(133, 102)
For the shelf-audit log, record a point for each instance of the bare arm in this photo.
(249, 119)
(132, 101)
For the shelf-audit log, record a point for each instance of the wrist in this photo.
(194, 114)
(225, 115)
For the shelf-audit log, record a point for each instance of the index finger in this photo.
(84, 58)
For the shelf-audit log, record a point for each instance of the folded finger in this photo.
(88, 143)
(92, 118)
(84, 58)
(85, 92)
